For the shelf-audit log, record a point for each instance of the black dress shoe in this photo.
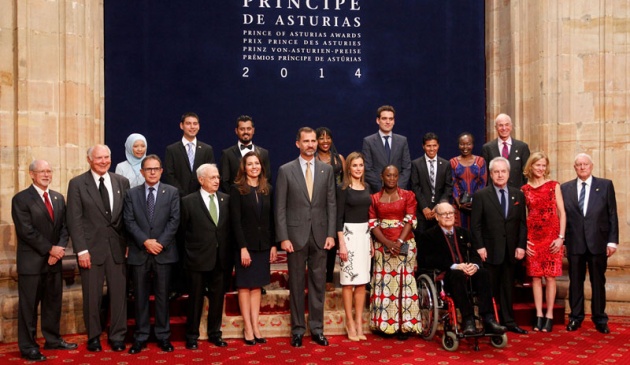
(573, 325)
(33, 355)
(117, 346)
(260, 340)
(94, 345)
(402, 336)
(517, 329)
(296, 340)
(137, 347)
(191, 344)
(165, 345)
(491, 326)
(174, 295)
(217, 341)
(469, 327)
(62, 345)
(603, 328)
(320, 339)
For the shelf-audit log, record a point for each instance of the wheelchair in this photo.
(437, 306)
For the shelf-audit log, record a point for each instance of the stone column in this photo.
(51, 107)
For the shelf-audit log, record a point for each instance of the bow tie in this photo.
(249, 147)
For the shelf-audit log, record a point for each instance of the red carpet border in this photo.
(584, 346)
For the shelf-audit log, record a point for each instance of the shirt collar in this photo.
(40, 191)
(186, 142)
(380, 133)
(97, 177)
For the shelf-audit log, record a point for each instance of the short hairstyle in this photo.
(244, 118)
(201, 169)
(580, 155)
(91, 149)
(388, 166)
(498, 159)
(502, 116)
(189, 114)
(33, 165)
(385, 108)
(429, 136)
(533, 158)
(347, 175)
(438, 207)
(472, 138)
(303, 130)
(151, 157)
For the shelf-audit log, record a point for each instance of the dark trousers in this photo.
(314, 258)
(33, 290)
(458, 285)
(502, 277)
(331, 259)
(144, 276)
(597, 265)
(199, 280)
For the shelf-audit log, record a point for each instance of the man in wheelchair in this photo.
(448, 249)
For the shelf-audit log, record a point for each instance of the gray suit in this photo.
(163, 228)
(376, 159)
(307, 224)
(103, 237)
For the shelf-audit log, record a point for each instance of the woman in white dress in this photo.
(355, 245)
(135, 151)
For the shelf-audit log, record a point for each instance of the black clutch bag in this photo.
(465, 198)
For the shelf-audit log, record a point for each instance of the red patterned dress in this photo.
(543, 227)
(394, 298)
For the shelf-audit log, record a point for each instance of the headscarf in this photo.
(134, 161)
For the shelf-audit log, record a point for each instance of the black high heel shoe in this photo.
(539, 324)
(260, 340)
(548, 327)
(248, 342)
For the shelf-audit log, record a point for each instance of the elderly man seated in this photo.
(447, 248)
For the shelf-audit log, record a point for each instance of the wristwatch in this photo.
(561, 236)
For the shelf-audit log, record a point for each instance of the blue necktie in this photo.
(582, 198)
(191, 155)
(151, 203)
(388, 150)
(503, 202)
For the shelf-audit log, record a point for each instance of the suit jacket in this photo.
(490, 229)
(600, 225)
(376, 159)
(519, 154)
(89, 226)
(434, 251)
(163, 227)
(36, 231)
(202, 236)
(421, 183)
(230, 161)
(296, 215)
(178, 172)
(253, 229)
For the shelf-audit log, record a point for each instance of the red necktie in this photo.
(49, 206)
(505, 153)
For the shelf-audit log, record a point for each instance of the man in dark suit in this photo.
(231, 157)
(305, 227)
(448, 249)
(205, 221)
(97, 230)
(431, 181)
(182, 160)
(515, 151)
(152, 218)
(592, 237)
(39, 215)
(499, 234)
(386, 148)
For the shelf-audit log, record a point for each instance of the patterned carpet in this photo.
(585, 346)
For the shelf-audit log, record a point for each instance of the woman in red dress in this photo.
(546, 222)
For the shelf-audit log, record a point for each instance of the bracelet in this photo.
(400, 240)
(561, 236)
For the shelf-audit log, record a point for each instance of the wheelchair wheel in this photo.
(427, 295)
(450, 342)
(499, 341)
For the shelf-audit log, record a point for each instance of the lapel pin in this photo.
(221, 199)
(597, 189)
(56, 197)
(117, 191)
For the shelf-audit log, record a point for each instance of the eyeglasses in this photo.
(43, 171)
(446, 214)
(152, 169)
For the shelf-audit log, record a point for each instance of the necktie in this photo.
(151, 203)
(104, 196)
(249, 147)
(582, 197)
(213, 210)
(309, 181)
(432, 177)
(505, 153)
(191, 155)
(388, 150)
(453, 247)
(503, 202)
(48, 206)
